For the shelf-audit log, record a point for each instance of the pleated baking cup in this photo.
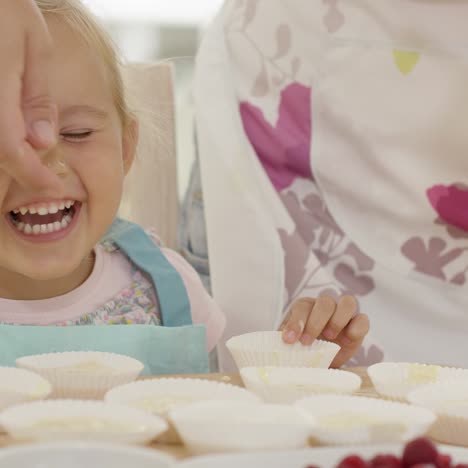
(84, 374)
(220, 426)
(394, 380)
(288, 384)
(348, 420)
(160, 395)
(449, 400)
(260, 349)
(19, 386)
(80, 420)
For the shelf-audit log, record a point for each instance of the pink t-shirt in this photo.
(116, 293)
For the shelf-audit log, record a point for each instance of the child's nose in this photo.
(54, 159)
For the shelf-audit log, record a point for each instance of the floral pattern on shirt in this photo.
(134, 305)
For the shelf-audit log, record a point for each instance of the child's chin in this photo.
(52, 271)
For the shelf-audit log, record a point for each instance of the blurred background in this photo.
(152, 30)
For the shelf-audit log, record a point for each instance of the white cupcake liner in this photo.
(80, 420)
(83, 374)
(394, 380)
(160, 395)
(82, 454)
(348, 420)
(259, 349)
(19, 386)
(449, 400)
(220, 426)
(288, 384)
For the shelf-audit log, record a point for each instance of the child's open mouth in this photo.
(44, 218)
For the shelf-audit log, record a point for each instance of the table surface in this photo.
(180, 452)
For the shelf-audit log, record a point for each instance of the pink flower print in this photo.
(283, 150)
(143, 300)
(127, 293)
(451, 203)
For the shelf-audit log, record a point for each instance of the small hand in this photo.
(339, 322)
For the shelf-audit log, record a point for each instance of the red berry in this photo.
(419, 451)
(444, 461)
(386, 461)
(312, 466)
(353, 461)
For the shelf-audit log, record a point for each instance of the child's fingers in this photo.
(295, 324)
(351, 338)
(346, 309)
(322, 312)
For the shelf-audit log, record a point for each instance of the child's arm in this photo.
(339, 322)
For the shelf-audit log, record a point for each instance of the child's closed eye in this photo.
(76, 135)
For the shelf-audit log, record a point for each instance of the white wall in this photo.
(151, 30)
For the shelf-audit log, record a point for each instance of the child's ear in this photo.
(129, 144)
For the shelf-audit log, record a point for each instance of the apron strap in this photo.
(170, 289)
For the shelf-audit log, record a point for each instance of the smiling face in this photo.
(48, 236)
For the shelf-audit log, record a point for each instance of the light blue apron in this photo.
(177, 347)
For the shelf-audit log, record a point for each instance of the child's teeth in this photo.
(37, 229)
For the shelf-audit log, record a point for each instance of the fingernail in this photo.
(306, 339)
(290, 336)
(45, 131)
(328, 334)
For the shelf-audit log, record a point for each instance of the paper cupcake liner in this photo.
(80, 420)
(170, 393)
(220, 426)
(394, 380)
(449, 400)
(348, 420)
(288, 384)
(19, 385)
(82, 454)
(83, 375)
(259, 349)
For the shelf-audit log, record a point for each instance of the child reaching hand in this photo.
(65, 259)
(340, 322)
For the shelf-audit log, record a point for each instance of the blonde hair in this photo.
(83, 22)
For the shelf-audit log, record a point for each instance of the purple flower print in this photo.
(430, 258)
(367, 357)
(283, 150)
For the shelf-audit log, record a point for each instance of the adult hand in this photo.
(28, 118)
